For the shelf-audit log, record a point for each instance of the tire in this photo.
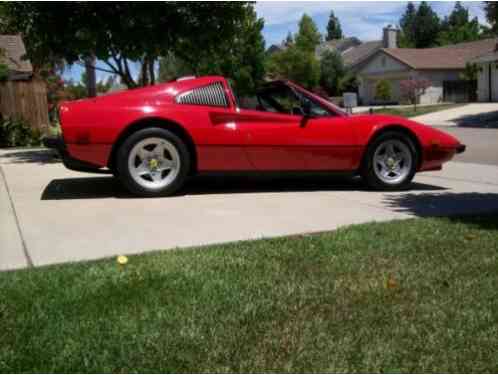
(152, 162)
(384, 170)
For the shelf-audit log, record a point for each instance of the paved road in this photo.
(482, 144)
(51, 215)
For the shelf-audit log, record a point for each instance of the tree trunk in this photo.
(91, 79)
(152, 74)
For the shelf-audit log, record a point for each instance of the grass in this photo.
(406, 296)
(421, 110)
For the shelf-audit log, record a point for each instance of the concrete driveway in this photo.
(51, 215)
(475, 115)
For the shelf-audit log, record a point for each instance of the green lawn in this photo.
(407, 296)
(421, 110)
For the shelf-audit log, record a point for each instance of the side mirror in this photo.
(306, 108)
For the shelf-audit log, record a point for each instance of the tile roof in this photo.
(357, 55)
(14, 50)
(448, 57)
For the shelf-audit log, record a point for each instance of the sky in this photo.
(361, 19)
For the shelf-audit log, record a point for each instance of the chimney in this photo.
(390, 37)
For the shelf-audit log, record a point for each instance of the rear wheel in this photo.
(390, 162)
(153, 162)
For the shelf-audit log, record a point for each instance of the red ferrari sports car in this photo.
(153, 138)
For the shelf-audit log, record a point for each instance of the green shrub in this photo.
(17, 133)
(383, 90)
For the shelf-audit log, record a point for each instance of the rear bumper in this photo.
(58, 144)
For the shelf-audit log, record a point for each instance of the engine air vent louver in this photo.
(213, 95)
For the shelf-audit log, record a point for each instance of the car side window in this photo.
(316, 109)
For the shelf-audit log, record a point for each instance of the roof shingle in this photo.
(360, 53)
(449, 57)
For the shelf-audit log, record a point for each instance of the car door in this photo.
(288, 140)
(328, 140)
(273, 140)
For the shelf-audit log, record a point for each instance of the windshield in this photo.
(281, 97)
(318, 99)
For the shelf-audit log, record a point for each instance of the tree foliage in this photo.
(422, 28)
(331, 72)
(124, 34)
(308, 36)
(491, 10)
(334, 30)
(241, 58)
(78, 90)
(470, 72)
(426, 27)
(407, 25)
(383, 90)
(412, 89)
(172, 67)
(298, 61)
(297, 65)
(4, 69)
(458, 28)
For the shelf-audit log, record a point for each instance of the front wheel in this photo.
(153, 162)
(390, 162)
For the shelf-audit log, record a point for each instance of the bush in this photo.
(383, 90)
(17, 133)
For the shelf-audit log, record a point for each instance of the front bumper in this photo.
(461, 149)
(58, 144)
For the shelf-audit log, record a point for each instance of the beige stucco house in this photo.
(487, 77)
(442, 66)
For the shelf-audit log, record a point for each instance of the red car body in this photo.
(234, 139)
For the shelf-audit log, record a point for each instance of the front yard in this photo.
(408, 111)
(406, 296)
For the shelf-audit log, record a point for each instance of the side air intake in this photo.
(213, 95)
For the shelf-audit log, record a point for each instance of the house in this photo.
(339, 45)
(487, 76)
(22, 95)
(354, 52)
(441, 66)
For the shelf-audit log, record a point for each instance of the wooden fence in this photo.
(26, 100)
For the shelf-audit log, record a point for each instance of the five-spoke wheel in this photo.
(390, 162)
(153, 162)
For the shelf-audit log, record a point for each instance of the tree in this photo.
(426, 27)
(419, 28)
(297, 65)
(412, 89)
(491, 10)
(172, 67)
(4, 69)
(383, 90)
(308, 37)
(289, 40)
(241, 58)
(331, 72)
(407, 25)
(334, 30)
(123, 35)
(457, 28)
(298, 61)
(470, 73)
